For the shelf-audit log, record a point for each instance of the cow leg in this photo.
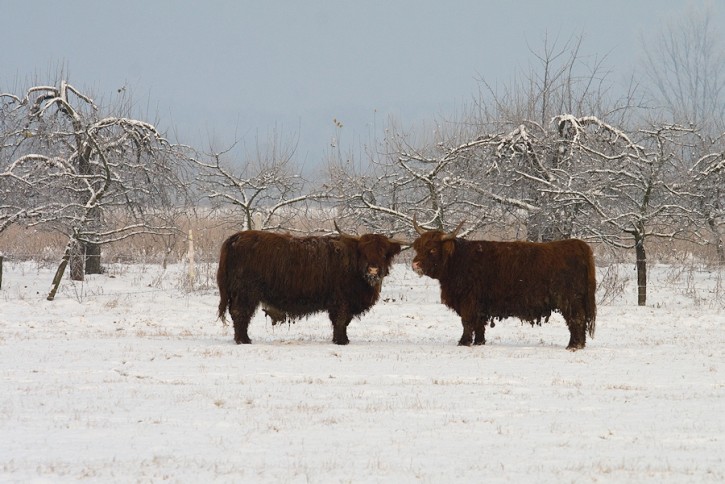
(241, 315)
(577, 333)
(467, 336)
(340, 320)
(480, 331)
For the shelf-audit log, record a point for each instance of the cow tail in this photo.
(591, 302)
(221, 279)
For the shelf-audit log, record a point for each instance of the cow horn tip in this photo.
(417, 227)
(339, 231)
(454, 233)
(460, 225)
(402, 242)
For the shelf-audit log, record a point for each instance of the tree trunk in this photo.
(719, 246)
(77, 261)
(93, 259)
(93, 251)
(641, 270)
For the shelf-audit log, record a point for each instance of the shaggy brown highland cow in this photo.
(293, 277)
(482, 281)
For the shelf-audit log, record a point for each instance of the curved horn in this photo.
(452, 235)
(339, 231)
(401, 241)
(417, 227)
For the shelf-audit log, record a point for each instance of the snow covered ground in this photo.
(128, 377)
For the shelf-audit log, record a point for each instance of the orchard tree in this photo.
(684, 64)
(561, 79)
(266, 191)
(708, 172)
(631, 185)
(97, 178)
(18, 195)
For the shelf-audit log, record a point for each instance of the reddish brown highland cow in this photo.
(482, 281)
(293, 277)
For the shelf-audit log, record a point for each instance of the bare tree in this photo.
(685, 66)
(561, 80)
(14, 191)
(586, 177)
(708, 173)
(631, 184)
(265, 192)
(98, 179)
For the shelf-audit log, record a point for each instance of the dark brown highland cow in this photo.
(293, 277)
(482, 281)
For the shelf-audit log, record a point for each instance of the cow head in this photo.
(433, 248)
(375, 254)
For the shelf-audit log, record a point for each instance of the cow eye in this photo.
(433, 251)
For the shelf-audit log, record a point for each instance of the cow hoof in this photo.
(245, 341)
(341, 341)
(464, 343)
(573, 348)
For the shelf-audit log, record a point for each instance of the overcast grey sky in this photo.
(219, 70)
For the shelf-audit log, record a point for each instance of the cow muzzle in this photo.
(417, 268)
(373, 275)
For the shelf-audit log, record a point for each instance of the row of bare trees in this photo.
(102, 178)
(578, 176)
(553, 155)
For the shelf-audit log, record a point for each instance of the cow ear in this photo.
(449, 247)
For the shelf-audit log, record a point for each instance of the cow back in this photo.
(301, 266)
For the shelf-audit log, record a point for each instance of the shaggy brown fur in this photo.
(293, 277)
(483, 281)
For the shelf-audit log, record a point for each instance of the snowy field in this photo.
(128, 377)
